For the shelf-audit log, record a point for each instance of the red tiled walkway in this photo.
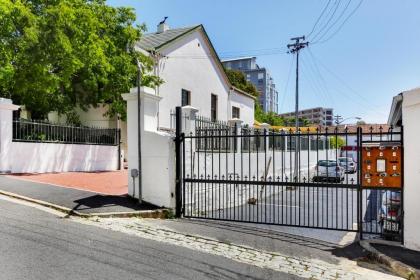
(107, 182)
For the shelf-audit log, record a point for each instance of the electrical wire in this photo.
(329, 19)
(319, 18)
(287, 83)
(335, 22)
(342, 24)
(198, 56)
(319, 83)
(366, 104)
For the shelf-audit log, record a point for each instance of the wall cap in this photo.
(146, 93)
(6, 104)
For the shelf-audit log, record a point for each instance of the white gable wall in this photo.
(186, 67)
(245, 105)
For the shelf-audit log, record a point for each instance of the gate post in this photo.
(178, 178)
(359, 183)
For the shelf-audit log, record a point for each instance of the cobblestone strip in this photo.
(305, 268)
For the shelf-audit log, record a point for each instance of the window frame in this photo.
(238, 112)
(188, 97)
(215, 98)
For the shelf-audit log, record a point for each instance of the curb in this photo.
(399, 268)
(156, 214)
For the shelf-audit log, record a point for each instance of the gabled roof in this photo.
(155, 41)
(152, 42)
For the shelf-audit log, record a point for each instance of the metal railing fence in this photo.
(45, 132)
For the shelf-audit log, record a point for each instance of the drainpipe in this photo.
(139, 127)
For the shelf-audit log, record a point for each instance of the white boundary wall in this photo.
(36, 157)
(30, 157)
(411, 117)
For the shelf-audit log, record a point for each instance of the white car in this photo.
(348, 164)
(329, 171)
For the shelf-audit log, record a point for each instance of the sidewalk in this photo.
(264, 248)
(82, 201)
(400, 260)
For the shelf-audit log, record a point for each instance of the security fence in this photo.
(45, 132)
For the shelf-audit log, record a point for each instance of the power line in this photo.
(329, 19)
(287, 83)
(313, 82)
(367, 104)
(342, 24)
(321, 89)
(320, 16)
(335, 22)
(198, 56)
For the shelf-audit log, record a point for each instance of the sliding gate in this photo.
(307, 179)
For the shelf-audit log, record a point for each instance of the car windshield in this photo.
(327, 163)
(344, 160)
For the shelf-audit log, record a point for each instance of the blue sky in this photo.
(374, 56)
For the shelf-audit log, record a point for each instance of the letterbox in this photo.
(381, 164)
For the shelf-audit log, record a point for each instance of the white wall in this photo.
(50, 157)
(158, 167)
(202, 77)
(95, 117)
(411, 117)
(246, 106)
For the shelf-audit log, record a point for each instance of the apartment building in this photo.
(260, 77)
(318, 116)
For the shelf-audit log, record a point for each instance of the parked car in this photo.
(348, 164)
(329, 171)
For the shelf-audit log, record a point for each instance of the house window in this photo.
(185, 97)
(235, 112)
(213, 110)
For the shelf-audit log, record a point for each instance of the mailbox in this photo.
(381, 164)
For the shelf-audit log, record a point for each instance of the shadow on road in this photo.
(120, 203)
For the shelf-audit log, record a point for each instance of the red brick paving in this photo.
(107, 182)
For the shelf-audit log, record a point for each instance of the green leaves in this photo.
(55, 55)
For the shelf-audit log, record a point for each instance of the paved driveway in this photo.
(107, 182)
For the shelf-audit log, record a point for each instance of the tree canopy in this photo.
(59, 54)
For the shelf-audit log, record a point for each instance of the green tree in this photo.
(237, 79)
(56, 55)
(336, 142)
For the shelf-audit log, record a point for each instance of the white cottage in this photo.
(193, 75)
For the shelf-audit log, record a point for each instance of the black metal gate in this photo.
(237, 173)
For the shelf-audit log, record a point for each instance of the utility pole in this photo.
(295, 48)
(338, 119)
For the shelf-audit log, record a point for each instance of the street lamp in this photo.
(339, 119)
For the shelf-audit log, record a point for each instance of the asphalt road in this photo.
(39, 245)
